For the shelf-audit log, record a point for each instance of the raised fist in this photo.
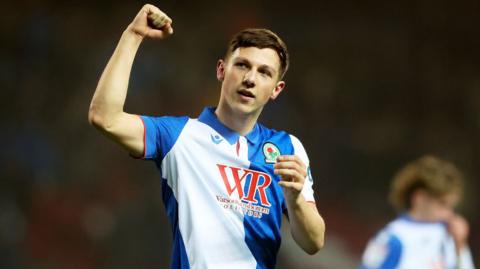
(151, 22)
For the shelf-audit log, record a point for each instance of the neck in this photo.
(421, 215)
(240, 123)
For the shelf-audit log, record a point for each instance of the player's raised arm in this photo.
(106, 109)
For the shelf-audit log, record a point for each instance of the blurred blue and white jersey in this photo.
(409, 244)
(220, 193)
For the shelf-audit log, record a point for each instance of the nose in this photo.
(249, 79)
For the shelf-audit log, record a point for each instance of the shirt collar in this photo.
(407, 217)
(209, 117)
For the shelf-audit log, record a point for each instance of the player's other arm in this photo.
(106, 109)
(307, 225)
(459, 229)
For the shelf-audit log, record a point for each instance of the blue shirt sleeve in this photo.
(160, 135)
(383, 252)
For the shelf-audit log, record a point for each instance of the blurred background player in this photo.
(428, 234)
(226, 180)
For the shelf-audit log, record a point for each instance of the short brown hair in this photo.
(261, 38)
(434, 175)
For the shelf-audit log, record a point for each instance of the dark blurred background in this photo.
(372, 85)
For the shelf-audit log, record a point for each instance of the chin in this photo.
(244, 108)
(439, 218)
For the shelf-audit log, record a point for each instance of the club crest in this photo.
(271, 152)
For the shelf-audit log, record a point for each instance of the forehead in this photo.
(256, 56)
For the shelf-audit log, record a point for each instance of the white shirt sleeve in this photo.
(299, 150)
(465, 259)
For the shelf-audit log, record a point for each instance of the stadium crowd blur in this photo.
(372, 85)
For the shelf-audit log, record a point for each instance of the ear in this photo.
(277, 90)
(220, 70)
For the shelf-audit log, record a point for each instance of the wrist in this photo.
(132, 37)
(294, 200)
(460, 244)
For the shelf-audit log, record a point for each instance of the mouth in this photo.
(246, 93)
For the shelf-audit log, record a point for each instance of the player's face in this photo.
(250, 77)
(437, 208)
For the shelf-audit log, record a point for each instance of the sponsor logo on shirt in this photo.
(246, 203)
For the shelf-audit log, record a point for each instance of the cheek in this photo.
(443, 212)
(266, 91)
(230, 78)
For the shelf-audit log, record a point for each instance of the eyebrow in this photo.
(266, 66)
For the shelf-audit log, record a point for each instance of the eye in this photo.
(265, 72)
(241, 65)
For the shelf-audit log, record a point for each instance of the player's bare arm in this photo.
(307, 226)
(106, 111)
(459, 229)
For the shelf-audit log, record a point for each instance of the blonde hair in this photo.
(429, 173)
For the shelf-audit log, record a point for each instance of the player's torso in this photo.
(424, 245)
(229, 203)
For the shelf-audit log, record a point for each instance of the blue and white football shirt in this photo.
(409, 244)
(220, 193)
